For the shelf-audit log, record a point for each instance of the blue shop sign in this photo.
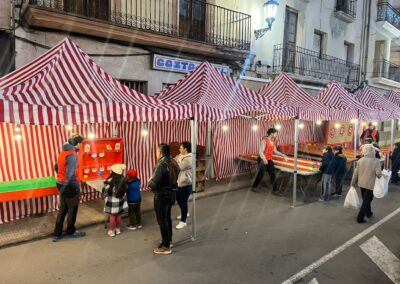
(166, 63)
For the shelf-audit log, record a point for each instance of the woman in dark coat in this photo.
(395, 158)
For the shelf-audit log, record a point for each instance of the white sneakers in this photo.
(112, 233)
(180, 216)
(181, 225)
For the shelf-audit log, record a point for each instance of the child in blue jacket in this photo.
(134, 200)
(328, 169)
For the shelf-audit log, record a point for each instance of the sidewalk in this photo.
(91, 213)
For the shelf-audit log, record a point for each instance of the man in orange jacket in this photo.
(265, 162)
(68, 186)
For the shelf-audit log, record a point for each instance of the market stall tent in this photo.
(284, 90)
(370, 97)
(62, 87)
(393, 97)
(65, 86)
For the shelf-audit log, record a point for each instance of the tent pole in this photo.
(296, 148)
(193, 125)
(392, 136)
(355, 138)
(208, 150)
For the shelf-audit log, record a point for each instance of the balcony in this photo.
(386, 73)
(388, 19)
(308, 63)
(187, 25)
(346, 10)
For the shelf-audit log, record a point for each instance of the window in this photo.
(319, 43)
(166, 85)
(140, 86)
(290, 26)
(348, 52)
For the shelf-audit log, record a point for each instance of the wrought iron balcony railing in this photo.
(190, 19)
(387, 12)
(293, 59)
(347, 6)
(386, 69)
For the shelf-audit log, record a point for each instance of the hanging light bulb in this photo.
(278, 127)
(91, 135)
(255, 127)
(144, 132)
(69, 127)
(18, 137)
(17, 129)
(353, 121)
(375, 123)
(225, 127)
(337, 125)
(319, 122)
(301, 125)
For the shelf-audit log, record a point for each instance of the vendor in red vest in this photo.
(265, 163)
(370, 135)
(68, 186)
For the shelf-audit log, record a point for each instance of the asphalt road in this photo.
(243, 237)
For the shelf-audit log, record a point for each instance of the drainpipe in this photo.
(367, 42)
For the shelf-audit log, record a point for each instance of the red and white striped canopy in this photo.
(65, 86)
(393, 97)
(284, 90)
(371, 98)
(216, 96)
(343, 105)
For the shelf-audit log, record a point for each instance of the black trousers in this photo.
(339, 180)
(367, 196)
(262, 168)
(135, 216)
(182, 197)
(162, 206)
(68, 206)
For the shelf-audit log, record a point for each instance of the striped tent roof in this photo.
(65, 86)
(284, 90)
(393, 97)
(371, 98)
(344, 106)
(216, 96)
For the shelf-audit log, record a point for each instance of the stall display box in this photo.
(96, 157)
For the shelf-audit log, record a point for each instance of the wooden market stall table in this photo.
(314, 150)
(307, 170)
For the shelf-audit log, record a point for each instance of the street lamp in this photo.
(270, 9)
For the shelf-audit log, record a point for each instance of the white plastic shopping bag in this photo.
(352, 200)
(381, 186)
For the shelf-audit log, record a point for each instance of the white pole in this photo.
(193, 125)
(392, 136)
(355, 138)
(208, 151)
(296, 148)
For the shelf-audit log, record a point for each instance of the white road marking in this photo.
(340, 249)
(383, 258)
(314, 281)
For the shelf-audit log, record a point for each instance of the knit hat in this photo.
(132, 174)
(118, 168)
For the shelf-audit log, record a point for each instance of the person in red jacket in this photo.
(265, 162)
(68, 186)
(370, 135)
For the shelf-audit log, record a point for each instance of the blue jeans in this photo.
(182, 197)
(326, 186)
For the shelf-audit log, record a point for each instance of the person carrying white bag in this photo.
(368, 168)
(381, 186)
